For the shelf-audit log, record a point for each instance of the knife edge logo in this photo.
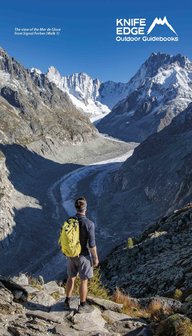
(162, 22)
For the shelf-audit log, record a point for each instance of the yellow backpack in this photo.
(69, 238)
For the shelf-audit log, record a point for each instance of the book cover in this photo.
(96, 124)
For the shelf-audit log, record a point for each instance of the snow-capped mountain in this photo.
(89, 95)
(159, 91)
(32, 108)
(82, 89)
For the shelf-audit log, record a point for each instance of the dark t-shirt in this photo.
(87, 233)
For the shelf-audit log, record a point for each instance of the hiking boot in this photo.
(85, 309)
(66, 305)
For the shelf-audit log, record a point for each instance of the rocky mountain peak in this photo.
(82, 89)
(36, 71)
(82, 86)
(3, 53)
(155, 63)
(53, 75)
(10, 67)
(160, 90)
(22, 91)
(158, 60)
(182, 60)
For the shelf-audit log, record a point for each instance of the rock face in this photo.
(154, 181)
(82, 89)
(6, 213)
(34, 113)
(90, 95)
(111, 93)
(33, 108)
(159, 262)
(35, 316)
(159, 91)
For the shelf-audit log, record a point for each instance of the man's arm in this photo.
(93, 251)
(92, 245)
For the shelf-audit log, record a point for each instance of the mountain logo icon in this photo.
(162, 22)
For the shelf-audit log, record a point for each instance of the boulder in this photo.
(4, 331)
(64, 329)
(52, 287)
(59, 310)
(50, 317)
(111, 316)
(40, 280)
(16, 289)
(171, 325)
(29, 327)
(21, 279)
(43, 299)
(131, 325)
(7, 305)
(90, 322)
(166, 302)
(31, 289)
(18, 294)
(106, 304)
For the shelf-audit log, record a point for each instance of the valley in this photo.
(38, 206)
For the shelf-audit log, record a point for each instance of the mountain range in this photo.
(159, 91)
(43, 135)
(31, 108)
(89, 95)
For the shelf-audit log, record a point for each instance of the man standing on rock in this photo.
(83, 264)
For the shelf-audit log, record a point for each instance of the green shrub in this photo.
(185, 328)
(56, 296)
(95, 286)
(130, 243)
(174, 325)
(178, 294)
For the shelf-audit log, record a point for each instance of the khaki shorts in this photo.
(81, 265)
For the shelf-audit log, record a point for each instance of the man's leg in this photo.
(83, 291)
(70, 286)
(69, 290)
(85, 273)
(72, 270)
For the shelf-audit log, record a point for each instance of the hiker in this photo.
(86, 260)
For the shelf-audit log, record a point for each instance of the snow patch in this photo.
(82, 89)
(36, 71)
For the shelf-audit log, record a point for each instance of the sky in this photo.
(87, 42)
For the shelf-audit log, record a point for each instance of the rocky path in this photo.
(30, 307)
(38, 310)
